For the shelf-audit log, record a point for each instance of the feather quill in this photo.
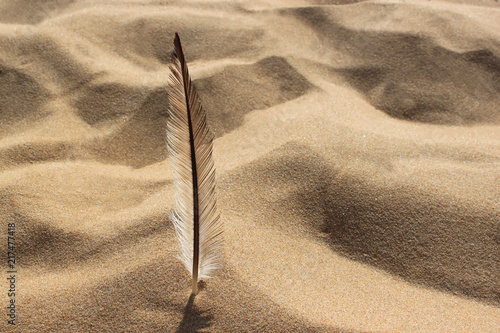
(190, 143)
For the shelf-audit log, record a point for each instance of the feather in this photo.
(190, 143)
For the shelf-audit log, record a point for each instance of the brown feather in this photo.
(190, 142)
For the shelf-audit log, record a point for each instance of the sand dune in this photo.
(357, 152)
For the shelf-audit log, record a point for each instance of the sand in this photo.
(357, 153)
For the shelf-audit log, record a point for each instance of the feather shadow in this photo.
(193, 319)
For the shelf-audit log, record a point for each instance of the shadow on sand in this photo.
(193, 320)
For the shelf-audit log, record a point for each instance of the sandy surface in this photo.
(357, 154)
